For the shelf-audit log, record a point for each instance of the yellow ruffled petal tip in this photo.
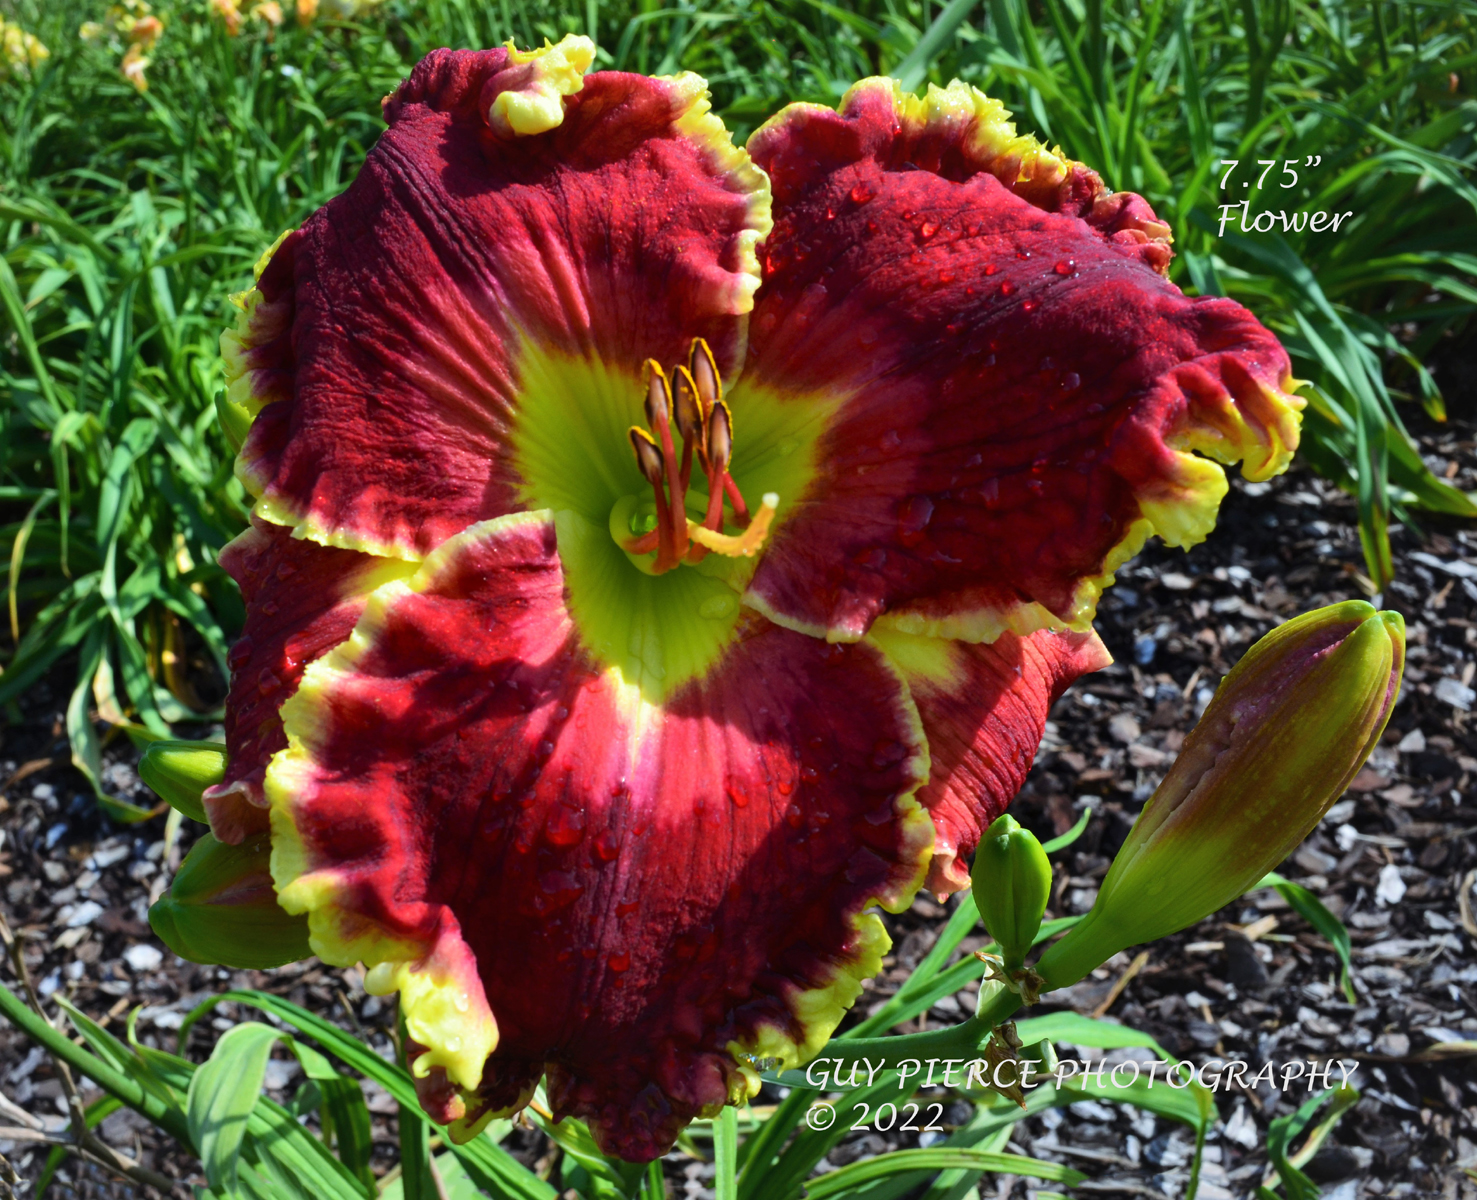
(444, 1013)
(535, 104)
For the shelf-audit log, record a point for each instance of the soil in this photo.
(1396, 859)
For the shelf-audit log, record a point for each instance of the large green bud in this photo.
(222, 908)
(1012, 883)
(181, 771)
(1287, 731)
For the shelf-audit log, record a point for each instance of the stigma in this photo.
(691, 398)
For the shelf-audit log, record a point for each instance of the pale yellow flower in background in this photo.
(91, 31)
(269, 11)
(337, 10)
(20, 52)
(133, 66)
(145, 31)
(229, 11)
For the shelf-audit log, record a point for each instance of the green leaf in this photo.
(482, 1157)
(222, 1094)
(1312, 910)
(725, 1155)
(935, 1158)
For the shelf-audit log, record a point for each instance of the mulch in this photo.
(1396, 859)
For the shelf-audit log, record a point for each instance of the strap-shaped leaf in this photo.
(483, 1158)
(222, 1094)
(841, 1182)
(1312, 910)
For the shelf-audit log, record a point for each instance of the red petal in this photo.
(984, 710)
(1020, 388)
(620, 234)
(302, 599)
(645, 888)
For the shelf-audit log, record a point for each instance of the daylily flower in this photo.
(663, 553)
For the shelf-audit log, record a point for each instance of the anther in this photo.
(652, 463)
(648, 456)
(705, 374)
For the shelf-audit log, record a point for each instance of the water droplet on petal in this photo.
(267, 683)
(566, 826)
(240, 654)
(607, 845)
(739, 797)
(990, 268)
(1028, 306)
(1064, 267)
(620, 962)
(928, 229)
(862, 192)
(1007, 288)
(715, 608)
(913, 516)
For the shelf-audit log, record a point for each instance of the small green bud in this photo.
(1012, 883)
(181, 771)
(222, 908)
(1288, 729)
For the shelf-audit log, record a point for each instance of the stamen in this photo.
(690, 421)
(694, 400)
(651, 462)
(658, 416)
(720, 454)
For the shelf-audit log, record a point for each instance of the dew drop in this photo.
(715, 608)
(861, 193)
(809, 774)
(1028, 306)
(607, 845)
(240, 654)
(928, 229)
(991, 268)
(620, 962)
(624, 910)
(739, 797)
(566, 826)
(557, 889)
(1064, 267)
(1071, 380)
(1007, 288)
(267, 683)
(913, 516)
(794, 816)
(785, 787)
(286, 570)
(270, 608)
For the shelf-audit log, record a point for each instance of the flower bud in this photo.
(180, 771)
(1287, 731)
(222, 908)
(1012, 882)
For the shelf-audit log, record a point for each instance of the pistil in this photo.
(693, 399)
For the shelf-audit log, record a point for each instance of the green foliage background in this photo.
(127, 220)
